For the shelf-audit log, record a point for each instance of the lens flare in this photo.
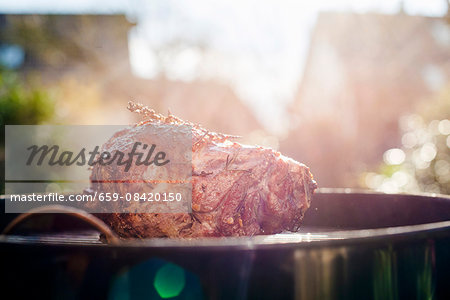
(169, 281)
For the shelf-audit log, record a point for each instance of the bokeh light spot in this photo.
(444, 127)
(169, 281)
(409, 140)
(394, 156)
(428, 152)
(400, 178)
(433, 127)
(419, 163)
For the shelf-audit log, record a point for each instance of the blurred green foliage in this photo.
(21, 103)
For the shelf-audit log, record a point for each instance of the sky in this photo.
(257, 47)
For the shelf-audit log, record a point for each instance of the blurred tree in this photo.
(422, 164)
(21, 103)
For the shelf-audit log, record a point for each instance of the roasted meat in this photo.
(237, 190)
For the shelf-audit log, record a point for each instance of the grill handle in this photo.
(89, 219)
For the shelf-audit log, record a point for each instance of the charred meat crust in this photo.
(237, 190)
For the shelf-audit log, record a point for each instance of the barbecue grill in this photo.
(352, 245)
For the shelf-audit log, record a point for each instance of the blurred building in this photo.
(86, 59)
(363, 72)
(56, 45)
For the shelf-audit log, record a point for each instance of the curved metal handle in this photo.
(77, 213)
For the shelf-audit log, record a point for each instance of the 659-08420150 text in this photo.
(102, 197)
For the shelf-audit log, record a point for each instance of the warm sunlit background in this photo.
(359, 90)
